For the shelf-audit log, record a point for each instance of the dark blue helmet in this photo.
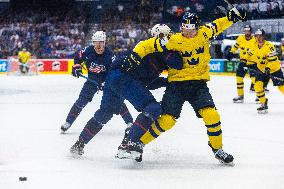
(190, 21)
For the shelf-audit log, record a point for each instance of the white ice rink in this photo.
(33, 108)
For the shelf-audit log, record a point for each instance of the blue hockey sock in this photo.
(73, 114)
(90, 130)
(125, 114)
(139, 127)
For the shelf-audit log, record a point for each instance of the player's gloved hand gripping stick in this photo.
(99, 86)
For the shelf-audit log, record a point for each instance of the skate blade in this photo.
(262, 112)
(238, 102)
(231, 164)
(76, 155)
(122, 154)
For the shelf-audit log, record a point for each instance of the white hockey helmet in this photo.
(160, 29)
(99, 36)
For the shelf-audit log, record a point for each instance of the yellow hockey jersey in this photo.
(243, 44)
(24, 57)
(266, 56)
(195, 51)
(282, 50)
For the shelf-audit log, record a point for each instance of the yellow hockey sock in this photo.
(211, 119)
(260, 91)
(240, 86)
(164, 123)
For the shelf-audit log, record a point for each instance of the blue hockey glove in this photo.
(234, 16)
(267, 71)
(100, 87)
(230, 56)
(76, 70)
(173, 59)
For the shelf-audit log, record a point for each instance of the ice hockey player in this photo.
(129, 80)
(98, 59)
(264, 54)
(242, 43)
(187, 84)
(23, 57)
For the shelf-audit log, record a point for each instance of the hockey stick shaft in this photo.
(232, 7)
(271, 76)
(91, 80)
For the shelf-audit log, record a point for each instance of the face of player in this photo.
(99, 46)
(189, 33)
(247, 33)
(260, 38)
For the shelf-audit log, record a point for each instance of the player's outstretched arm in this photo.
(221, 24)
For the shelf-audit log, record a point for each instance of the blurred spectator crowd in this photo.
(54, 33)
(45, 34)
(263, 9)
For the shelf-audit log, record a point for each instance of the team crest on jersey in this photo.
(193, 61)
(200, 50)
(96, 68)
(186, 54)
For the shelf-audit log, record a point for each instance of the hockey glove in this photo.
(267, 71)
(76, 70)
(230, 56)
(234, 15)
(100, 87)
(173, 59)
(130, 62)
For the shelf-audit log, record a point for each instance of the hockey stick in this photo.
(271, 76)
(230, 6)
(92, 81)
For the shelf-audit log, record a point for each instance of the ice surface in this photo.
(33, 108)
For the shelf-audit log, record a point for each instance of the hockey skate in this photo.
(130, 150)
(238, 99)
(78, 148)
(223, 157)
(123, 146)
(65, 127)
(263, 109)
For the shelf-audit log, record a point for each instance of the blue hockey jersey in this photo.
(98, 65)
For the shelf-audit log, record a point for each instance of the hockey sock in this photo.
(139, 127)
(73, 114)
(211, 119)
(240, 86)
(260, 91)
(90, 130)
(164, 123)
(125, 114)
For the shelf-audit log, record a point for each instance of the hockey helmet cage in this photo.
(190, 21)
(248, 28)
(99, 36)
(260, 32)
(159, 29)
